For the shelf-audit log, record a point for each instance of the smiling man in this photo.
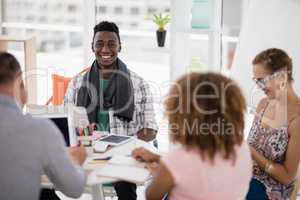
(117, 99)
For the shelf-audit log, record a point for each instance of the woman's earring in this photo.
(282, 85)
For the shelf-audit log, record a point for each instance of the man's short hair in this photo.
(9, 67)
(107, 26)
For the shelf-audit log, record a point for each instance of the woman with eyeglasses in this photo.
(274, 137)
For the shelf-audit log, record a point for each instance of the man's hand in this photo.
(143, 154)
(77, 154)
(92, 127)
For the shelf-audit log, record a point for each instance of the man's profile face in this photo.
(106, 47)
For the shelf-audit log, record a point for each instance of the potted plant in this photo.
(161, 21)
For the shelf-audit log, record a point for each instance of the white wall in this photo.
(1, 16)
(268, 23)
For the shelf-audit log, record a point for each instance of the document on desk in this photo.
(126, 149)
(125, 168)
(126, 161)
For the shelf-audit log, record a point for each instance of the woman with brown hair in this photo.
(206, 118)
(274, 137)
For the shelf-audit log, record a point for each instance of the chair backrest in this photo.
(59, 87)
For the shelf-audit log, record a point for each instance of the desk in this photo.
(95, 182)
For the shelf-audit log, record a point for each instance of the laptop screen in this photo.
(62, 125)
(67, 123)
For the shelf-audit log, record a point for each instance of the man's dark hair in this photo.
(9, 67)
(107, 26)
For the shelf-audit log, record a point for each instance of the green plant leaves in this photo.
(161, 21)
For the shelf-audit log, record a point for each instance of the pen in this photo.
(105, 158)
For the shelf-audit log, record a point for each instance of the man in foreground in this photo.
(31, 147)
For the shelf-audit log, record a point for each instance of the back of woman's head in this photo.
(206, 112)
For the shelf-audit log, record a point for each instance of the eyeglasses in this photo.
(262, 82)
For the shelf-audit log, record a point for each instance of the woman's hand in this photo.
(153, 167)
(145, 155)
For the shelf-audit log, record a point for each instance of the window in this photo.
(133, 25)
(58, 6)
(75, 39)
(118, 10)
(59, 37)
(139, 12)
(43, 7)
(29, 18)
(72, 21)
(102, 9)
(134, 11)
(151, 11)
(43, 19)
(72, 8)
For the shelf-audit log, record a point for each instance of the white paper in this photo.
(127, 173)
(125, 161)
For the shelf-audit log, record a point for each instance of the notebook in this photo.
(125, 168)
(126, 161)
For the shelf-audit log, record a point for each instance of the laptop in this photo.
(64, 123)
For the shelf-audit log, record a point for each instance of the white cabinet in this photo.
(182, 37)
